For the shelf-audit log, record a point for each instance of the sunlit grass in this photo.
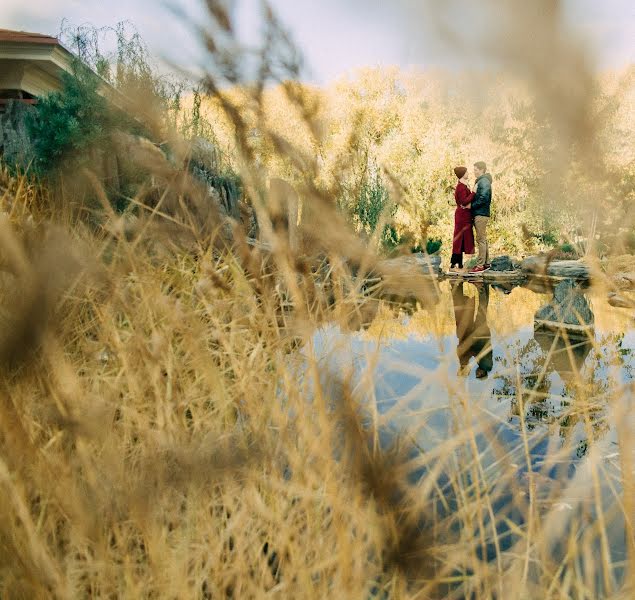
(168, 429)
(161, 442)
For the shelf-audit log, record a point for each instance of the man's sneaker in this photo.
(479, 269)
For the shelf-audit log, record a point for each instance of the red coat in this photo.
(463, 240)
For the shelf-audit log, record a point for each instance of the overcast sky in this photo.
(335, 36)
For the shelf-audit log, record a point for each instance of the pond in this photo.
(485, 340)
(545, 401)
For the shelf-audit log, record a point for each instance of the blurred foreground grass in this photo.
(158, 438)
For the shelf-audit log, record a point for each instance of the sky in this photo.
(335, 36)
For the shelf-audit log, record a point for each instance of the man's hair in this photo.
(480, 165)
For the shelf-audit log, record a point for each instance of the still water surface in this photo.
(480, 358)
(484, 343)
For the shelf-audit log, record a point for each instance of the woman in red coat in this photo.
(463, 233)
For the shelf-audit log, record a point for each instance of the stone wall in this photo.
(15, 146)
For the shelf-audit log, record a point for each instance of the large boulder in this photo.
(430, 264)
(620, 301)
(418, 263)
(569, 310)
(574, 269)
(410, 276)
(541, 265)
(533, 264)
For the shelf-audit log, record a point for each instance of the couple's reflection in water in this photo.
(472, 330)
(563, 349)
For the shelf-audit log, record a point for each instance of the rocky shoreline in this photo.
(536, 272)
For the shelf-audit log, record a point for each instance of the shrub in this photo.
(390, 238)
(433, 245)
(371, 202)
(67, 124)
(129, 67)
(547, 238)
(566, 251)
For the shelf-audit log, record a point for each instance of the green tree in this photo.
(373, 203)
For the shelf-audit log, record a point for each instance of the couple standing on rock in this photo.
(472, 211)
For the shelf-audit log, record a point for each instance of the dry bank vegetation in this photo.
(167, 432)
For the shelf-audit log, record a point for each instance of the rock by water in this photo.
(502, 263)
(430, 263)
(540, 265)
(620, 301)
(569, 309)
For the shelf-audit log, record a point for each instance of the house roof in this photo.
(7, 35)
(33, 62)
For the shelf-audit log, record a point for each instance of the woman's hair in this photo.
(460, 171)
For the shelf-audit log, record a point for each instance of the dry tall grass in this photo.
(161, 435)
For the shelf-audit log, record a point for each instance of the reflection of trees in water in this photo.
(583, 367)
(622, 357)
(527, 363)
(559, 384)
